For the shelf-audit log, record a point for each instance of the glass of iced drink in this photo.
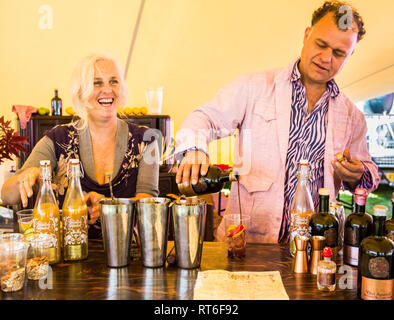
(236, 227)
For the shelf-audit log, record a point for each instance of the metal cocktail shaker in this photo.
(117, 216)
(152, 218)
(189, 226)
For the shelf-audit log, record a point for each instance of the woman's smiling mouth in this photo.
(106, 102)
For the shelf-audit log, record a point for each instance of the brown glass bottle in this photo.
(212, 182)
(358, 225)
(324, 223)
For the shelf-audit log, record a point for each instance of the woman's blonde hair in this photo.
(82, 85)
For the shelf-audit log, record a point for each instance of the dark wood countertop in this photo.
(92, 279)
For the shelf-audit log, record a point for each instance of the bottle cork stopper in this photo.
(45, 163)
(360, 196)
(379, 211)
(74, 161)
(304, 162)
(360, 191)
(324, 191)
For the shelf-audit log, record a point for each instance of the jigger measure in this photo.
(301, 259)
(318, 243)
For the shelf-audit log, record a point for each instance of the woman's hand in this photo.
(26, 180)
(92, 201)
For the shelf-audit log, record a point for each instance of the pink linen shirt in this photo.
(259, 105)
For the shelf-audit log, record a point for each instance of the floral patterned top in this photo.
(66, 141)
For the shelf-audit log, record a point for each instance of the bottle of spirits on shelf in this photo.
(389, 226)
(212, 182)
(324, 223)
(56, 105)
(302, 207)
(75, 217)
(326, 270)
(375, 263)
(358, 225)
(46, 217)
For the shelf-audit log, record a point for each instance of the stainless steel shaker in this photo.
(189, 226)
(117, 216)
(152, 220)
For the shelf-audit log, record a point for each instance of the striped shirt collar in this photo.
(331, 85)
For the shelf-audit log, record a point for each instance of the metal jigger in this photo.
(318, 243)
(301, 259)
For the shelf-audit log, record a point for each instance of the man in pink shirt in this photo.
(282, 116)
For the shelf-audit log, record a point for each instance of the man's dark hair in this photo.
(340, 9)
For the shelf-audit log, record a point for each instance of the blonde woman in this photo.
(103, 143)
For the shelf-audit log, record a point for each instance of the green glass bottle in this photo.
(324, 223)
(375, 265)
(56, 105)
(212, 182)
(389, 226)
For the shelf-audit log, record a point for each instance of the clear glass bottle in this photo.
(75, 217)
(375, 265)
(358, 225)
(46, 217)
(324, 223)
(326, 270)
(302, 207)
(56, 104)
(389, 225)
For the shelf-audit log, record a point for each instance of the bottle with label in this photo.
(302, 207)
(212, 182)
(75, 217)
(358, 225)
(326, 270)
(324, 223)
(389, 225)
(56, 105)
(375, 263)
(46, 217)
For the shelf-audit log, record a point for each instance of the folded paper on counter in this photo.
(243, 285)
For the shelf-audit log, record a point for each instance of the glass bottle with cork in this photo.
(56, 104)
(75, 217)
(212, 182)
(46, 217)
(302, 207)
(389, 225)
(375, 266)
(358, 225)
(326, 270)
(323, 223)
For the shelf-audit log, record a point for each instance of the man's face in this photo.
(326, 50)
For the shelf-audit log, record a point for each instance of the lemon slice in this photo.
(28, 231)
(26, 225)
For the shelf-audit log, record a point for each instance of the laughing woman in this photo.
(103, 143)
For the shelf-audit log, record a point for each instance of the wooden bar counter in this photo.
(92, 279)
